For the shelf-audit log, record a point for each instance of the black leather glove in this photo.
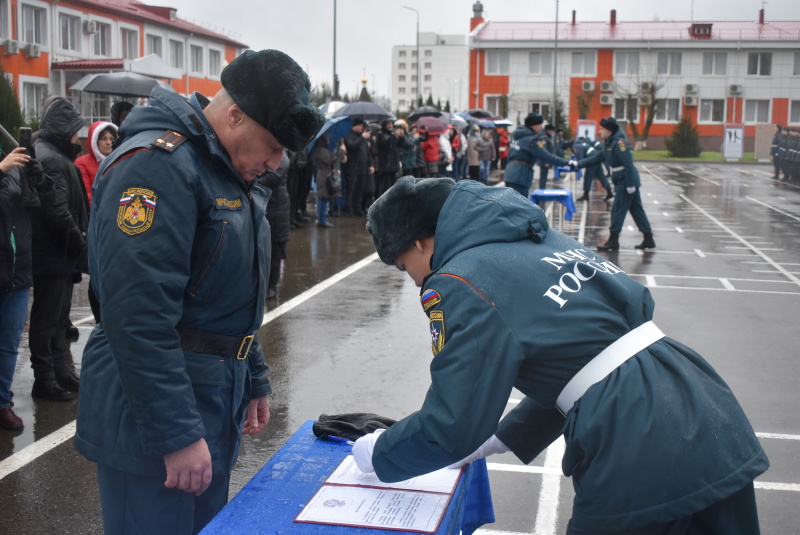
(34, 172)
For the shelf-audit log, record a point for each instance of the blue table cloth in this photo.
(563, 196)
(560, 170)
(271, 500)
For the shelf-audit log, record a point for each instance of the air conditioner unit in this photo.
(647, 86)
(691, 89)
(587, 85)
(606, 100)
(11, 47)
(690, 100)
(646, 100)
(90, 26)
(735, 89)
(32, 50)
(607, 87)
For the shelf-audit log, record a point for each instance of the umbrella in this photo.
(368, 111)
(424, 111)
(435, 125)
(485, 123)
(458, 121)
(480, 113)
(466, 116)
(338, 128)
(329, 108)
(503, 123)
(123, 83)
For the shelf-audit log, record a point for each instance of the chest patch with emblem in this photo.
(223, 203)
(622, 147)
(436, 318)
(429, 299)
(137, 209)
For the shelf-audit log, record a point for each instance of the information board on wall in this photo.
(587, 129)
(733, 142)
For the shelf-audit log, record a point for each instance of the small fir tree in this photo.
(685, 140)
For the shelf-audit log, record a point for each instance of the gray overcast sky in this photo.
(367, 29)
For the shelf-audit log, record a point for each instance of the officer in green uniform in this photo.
(656, 443)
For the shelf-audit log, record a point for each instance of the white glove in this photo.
(363, 448)
(490, 447)
(631, 190)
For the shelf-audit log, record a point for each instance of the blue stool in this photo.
(562, 196)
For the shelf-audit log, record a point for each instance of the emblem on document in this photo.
(334, 503)
(137, 209)
(429, 299)
(437, 330)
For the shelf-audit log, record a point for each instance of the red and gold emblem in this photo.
(137, 209)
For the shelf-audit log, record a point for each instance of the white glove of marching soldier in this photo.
(631, 190)
(363, 448)
(490, 447)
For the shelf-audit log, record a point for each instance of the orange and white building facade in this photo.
(715, 73)
(47, 46)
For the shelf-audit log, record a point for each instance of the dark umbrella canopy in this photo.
(424, 111)
(479, 113)
(434, 124)
(338, 127)
(124, 84)
(368, 111)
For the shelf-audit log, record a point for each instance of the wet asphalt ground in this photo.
(346, 334)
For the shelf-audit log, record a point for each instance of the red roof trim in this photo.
(83, 64)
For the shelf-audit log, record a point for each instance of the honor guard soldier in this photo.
(656, 443)
(174, 374)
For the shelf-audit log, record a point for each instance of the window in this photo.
(428, 53)
(214, 62)
(4, 16)
(401, 90)
(34, 23)
(176, 53)
(401, 65)
(759, 63)
(33, 96)
(196, 57)
(794, 111)
(413, 90)
(542, 108)
(497, 62)
(756, 111)
(413, 53)
(402, 102)
(401, 78)
(130, 44)
(493, 104)
(668, 109)
(70, 28)
(401, 54)
(413, 77)
(414, 66)
(427, 90)
(540, 62)
(715, 63)
(426, 78)
(152, 45)
(621, 109)
(669, 63)
(427, 64)
(627, 63)
(583, 63)
(796, 68)
(101, 44)
(712, 110)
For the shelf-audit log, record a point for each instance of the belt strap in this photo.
(606, 362)
(620, 168)
(215, 344)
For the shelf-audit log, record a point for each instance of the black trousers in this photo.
(355, 191)
(52, 298)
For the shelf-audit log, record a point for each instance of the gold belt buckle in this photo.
(244, 347)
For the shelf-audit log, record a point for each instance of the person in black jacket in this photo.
(59, 253)
(279, 218)
(389, 141)
(359, 163)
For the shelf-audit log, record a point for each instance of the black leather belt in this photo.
(215, 344)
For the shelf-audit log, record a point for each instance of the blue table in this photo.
(563, 196)
(560, 170)
(271, 500)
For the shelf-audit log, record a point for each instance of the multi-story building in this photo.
(47, 47)
(442, 71)
(714, 73)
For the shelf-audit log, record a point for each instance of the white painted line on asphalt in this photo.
(495, 532)
(650, 281)
(522, 469)
(727, 284)
(778, 436)
(547, 514)
(777, 486)
(37, 449)
(787, 214)
(745, 242)
(699, 253)
(700, 177)
(665, 214)
(679, 230)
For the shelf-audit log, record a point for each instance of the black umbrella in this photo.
(124, 84)
(480, 113)
(424, 111)
(368, 111)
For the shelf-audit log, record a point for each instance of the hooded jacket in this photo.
(59, 244)
(89, 162)
(525, 150)
(660, 437)
(179, 241)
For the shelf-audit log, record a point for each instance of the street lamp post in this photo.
(419, 95)
(555, 70)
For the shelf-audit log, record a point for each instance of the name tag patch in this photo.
(137, 210)
(223, 203)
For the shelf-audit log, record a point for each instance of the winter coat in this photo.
(431, 148)
(358, 155)
(502, 144)
(388, 146)
(326, 163)
(89, 162)
(279, 207)
(473, 157)
(485, 148)
(59, 243)
(617, 154)
(526, 150)
(659, 438)
(179, 241)
(15, 234)
(408, 153)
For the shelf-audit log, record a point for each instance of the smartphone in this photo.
(25, 138)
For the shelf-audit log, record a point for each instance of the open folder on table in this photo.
(349, 497)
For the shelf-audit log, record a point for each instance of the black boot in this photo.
(609, 195)
(648, 242)
(50, 390)
(584, 198)
(68, 380)
(611, 244)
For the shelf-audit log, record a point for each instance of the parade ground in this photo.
(347, 334)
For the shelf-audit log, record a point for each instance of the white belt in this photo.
(606, 362)
(620, 168)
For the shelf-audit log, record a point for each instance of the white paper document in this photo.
(350, 497)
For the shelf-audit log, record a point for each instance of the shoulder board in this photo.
(169, 140)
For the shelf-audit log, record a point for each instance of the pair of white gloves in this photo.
(364, 446)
